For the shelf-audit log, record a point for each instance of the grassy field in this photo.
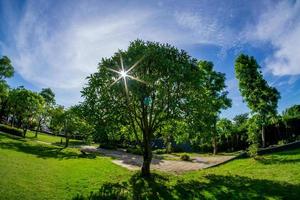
(55, 140)
(31, 170)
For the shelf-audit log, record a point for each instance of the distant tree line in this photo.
(38, 111)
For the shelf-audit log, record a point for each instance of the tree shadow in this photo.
(41, 150)
(207, 187)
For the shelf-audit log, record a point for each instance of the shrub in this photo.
(136, 151)
(108, 146)
(252, 150)
(282, 142)
(11, 130)
(159, 151)
(185, 157)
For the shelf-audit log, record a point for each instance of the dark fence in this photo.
(289, 132)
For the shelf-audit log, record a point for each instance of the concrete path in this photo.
(134, 162)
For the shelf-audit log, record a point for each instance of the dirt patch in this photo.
(134, 162)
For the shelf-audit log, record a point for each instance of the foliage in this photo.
(185, 157)
(179, 89)
(6, 71)
(224, 128)
(57, 119)
(212, 102)
(240, 121)
(253, 150)
(48, 96)
(174, 130)
(261, 98)
(6, 68)
(136, 151)
(25, 106)
(292, 112)
(159, 151)
(45, 115)
(11, 130)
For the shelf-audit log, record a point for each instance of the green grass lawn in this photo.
(55, 140)
(31, 170)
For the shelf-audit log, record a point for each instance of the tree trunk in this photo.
(38, 128)
(215, 146)
(67, 142)
(263, 136)
(2, 110)
(147, 154)
(24, 132)
(12, 121)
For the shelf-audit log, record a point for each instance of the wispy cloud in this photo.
(280, 26)
(58, 43)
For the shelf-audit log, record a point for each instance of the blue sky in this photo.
(58, 43)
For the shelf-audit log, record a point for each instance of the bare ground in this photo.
(134, 162)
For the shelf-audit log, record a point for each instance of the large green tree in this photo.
(145, 87)
(261, 98)
(25, 106)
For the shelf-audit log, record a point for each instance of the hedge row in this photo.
(11, 130)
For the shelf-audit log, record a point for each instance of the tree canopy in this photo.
(25, 106)
(159, 83)
(6, 68)
(261, 98)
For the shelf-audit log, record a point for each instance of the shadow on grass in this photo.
(41, 150)
(208, 187)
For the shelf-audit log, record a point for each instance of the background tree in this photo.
(292, 112)
(261, 98)
(214, 99)
(75, 126)
(44, 116)
(164, 86)
(240, 129)
(6, 68)
(224, 131)
(4, 92)
(25, 106)
(6, 71)
(57, 119)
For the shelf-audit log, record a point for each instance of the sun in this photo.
(123, 73)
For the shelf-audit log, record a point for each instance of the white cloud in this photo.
(62, 58)
(280, 25)
(59, 48)
(203, 28)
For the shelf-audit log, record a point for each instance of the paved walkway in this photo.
(134, 162)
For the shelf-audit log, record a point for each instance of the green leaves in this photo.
(260, 97)
(25, 104)
(6, 68)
